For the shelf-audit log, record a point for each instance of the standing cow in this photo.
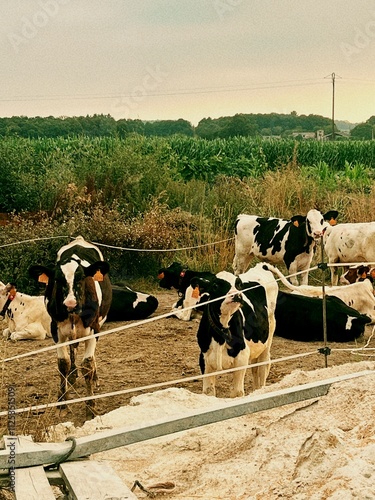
(78, 297)
(349, 243)
(280, 241)
(237, 329)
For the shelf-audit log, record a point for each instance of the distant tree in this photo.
(165, 128)
(363, 131)
(208, 128)
(127, 127)
(239, 125)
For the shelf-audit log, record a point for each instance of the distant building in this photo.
(318, 135)
(341, 135)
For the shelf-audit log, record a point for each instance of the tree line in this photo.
(239, 125)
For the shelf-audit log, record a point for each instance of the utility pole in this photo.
(333, 105)
(333, 78)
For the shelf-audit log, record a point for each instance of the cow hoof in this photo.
(72, 377)
(6, 334)
(90, 414)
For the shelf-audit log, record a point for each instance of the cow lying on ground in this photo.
(237, 329)
(179, 277)
(130, 305)
(357, 273)
(26, 315)
(351, 242)
(359, 295)
(301, 318)
(280, 241)
(78, 297)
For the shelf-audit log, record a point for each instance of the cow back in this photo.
(301, 318)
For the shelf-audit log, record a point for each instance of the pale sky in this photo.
(190, 59)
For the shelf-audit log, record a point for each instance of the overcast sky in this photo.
(191, 59)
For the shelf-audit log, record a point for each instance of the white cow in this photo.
(26, 315)
(359, 296)
(349, 243)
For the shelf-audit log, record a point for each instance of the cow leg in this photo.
(241, 263)
(33, 331)
(260, 373)
(237, 389)
(89, 372)
(293, 269)
(212, 362)
(63, 364)
(209, 385)
(334, 275)
(72, 374)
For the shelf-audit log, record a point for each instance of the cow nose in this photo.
(70, 303)
(318, 234)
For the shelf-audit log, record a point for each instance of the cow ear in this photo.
(201, 283)
(101, 266)
(331, 217)
(238, 284)
(298, 220)
(41, 274)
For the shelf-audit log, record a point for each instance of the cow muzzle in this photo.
(317, 235)
(70, 303)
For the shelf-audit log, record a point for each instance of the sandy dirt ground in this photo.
(290, 452)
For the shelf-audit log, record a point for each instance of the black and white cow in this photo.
(359, 295)
(280, 241)
(78, 297)
(26, 315)
(129, 305)
(301, 318)
(349, 243)
(237, 329)
(179, 277)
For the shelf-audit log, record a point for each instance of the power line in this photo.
(196, 91)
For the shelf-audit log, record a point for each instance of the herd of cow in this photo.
(239, 312)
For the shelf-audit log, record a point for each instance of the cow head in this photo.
(357, 273)
(316, 223)
(170, 277)
(228, 300)
(70, 286)
(7, 294)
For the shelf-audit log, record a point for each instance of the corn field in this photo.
(35, 173)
